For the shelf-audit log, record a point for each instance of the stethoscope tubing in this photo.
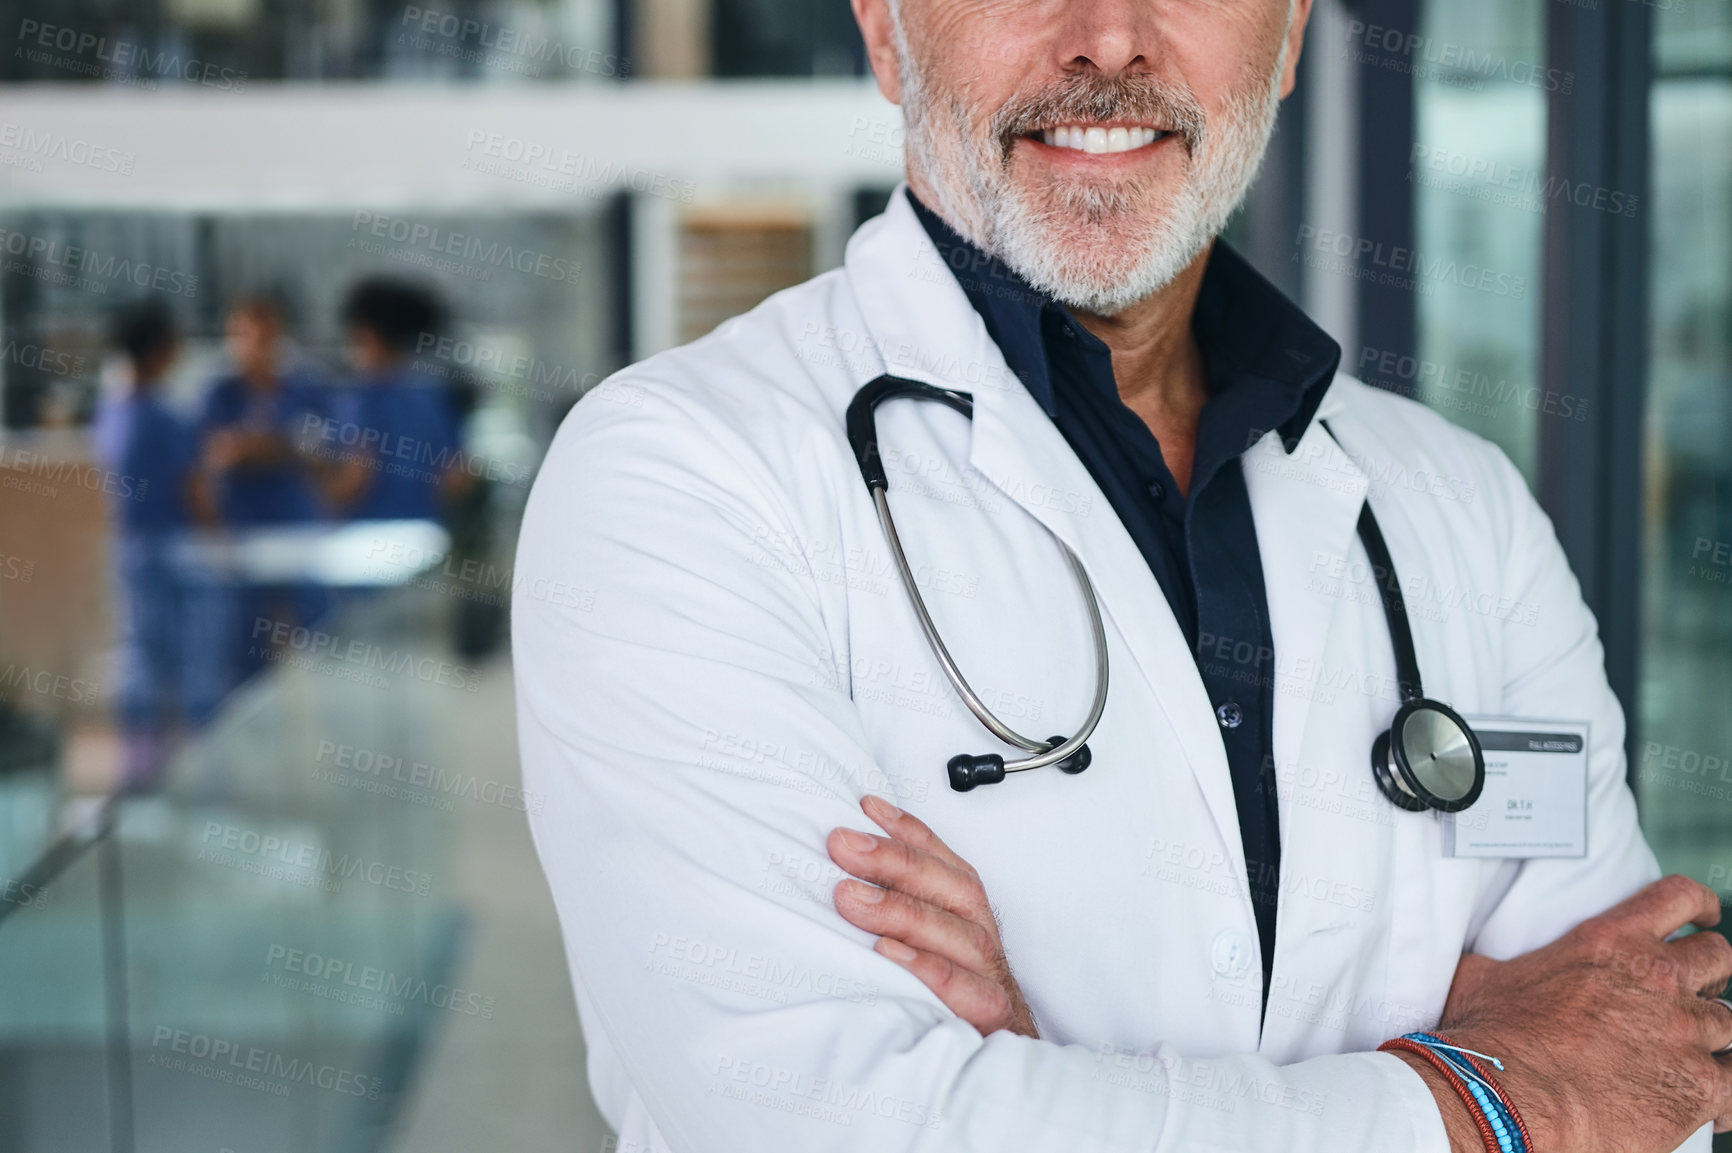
(1044, 754)
(1390, 756)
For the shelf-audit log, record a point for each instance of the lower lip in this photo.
(1099, 159)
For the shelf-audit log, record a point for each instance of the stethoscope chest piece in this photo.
(1429, 759)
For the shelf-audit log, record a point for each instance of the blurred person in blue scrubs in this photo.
(255, 420)
(256, 473)
(396, 433)
(151, 453)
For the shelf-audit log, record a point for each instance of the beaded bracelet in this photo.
(1500, 1126)
(1469, 1062)
(1487, 1133)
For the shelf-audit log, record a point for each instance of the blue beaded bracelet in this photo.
(1492, 1103)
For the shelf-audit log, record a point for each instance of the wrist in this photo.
(1458, 1117)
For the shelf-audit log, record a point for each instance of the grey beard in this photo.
(973, 192)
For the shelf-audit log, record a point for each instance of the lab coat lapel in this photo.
(1306, 507)
(926, 329)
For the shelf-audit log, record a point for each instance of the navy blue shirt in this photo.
(1267, 367)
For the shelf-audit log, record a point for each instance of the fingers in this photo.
(1668, 905)
(981, 1002)
(894, 864)
(890, 913)
(1713, 1024)
(910, 830)
(1704, 964)
(1723, 1109)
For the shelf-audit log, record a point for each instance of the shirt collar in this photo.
(1245, 326)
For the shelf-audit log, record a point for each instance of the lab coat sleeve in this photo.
(690, 746)
(1555, 669)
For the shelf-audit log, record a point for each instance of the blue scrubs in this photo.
(264, 495)
(407, 423)
(141, 440)
(271, 494)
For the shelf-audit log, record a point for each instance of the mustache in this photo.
(1093, 97)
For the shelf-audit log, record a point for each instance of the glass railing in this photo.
(254, 953)
(57, 1088)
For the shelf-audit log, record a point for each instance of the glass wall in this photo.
(1684, 725)
(787, 38)
(1477, 170)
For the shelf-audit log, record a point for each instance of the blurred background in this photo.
(293, 294)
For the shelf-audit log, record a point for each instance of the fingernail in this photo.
(889, 811)
(860, 842)
(869, 894)
(896, 950)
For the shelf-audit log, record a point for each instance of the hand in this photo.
(223, 450)
(931, 914)
(1605, 1035)
(232, 448)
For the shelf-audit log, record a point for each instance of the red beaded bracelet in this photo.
(1487, 1134)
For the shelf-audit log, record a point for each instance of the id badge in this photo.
(1535, 802)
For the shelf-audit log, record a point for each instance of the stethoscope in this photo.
(1429, 759)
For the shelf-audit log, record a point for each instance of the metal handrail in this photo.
(63, 851)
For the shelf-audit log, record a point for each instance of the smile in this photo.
(1098, 139)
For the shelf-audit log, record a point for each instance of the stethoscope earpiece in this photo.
(968, 770)
(1077, 761)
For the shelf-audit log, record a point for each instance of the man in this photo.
(1198, 942)
(254, 474)
(251, 427)
(397, 435)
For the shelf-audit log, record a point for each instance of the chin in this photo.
(1099, 257)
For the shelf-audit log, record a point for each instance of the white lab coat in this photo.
(715, 660)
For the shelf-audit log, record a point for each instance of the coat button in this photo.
(1231, 953)
(1230, 715)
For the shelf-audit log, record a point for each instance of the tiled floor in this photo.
(515, 1082)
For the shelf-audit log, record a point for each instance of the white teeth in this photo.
(1099, 141)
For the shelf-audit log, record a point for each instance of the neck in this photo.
(1158, 364)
